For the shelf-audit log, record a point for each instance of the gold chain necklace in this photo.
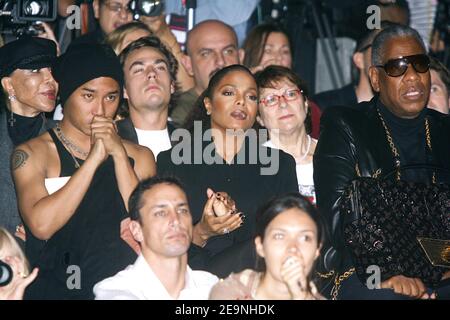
(338, 282)
(394, 148)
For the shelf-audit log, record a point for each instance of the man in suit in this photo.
(150, 73)
(394, 129)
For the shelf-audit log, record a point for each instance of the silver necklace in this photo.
(307, 150)
(70, 145)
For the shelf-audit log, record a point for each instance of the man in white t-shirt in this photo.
(162, 224)
(150, 71)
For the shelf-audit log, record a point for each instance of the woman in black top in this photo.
(231, 160)
(29, 91)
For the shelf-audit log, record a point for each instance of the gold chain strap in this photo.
(325, 275)
(394, 148)
(428, 134)
(338, 281)
(389, 137)
(392, 145)
(377, 173)
(428, 139)
(358, 173)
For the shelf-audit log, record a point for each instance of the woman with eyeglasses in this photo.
(29, 91)
(223, 153)
(284, 111)
(269, 44)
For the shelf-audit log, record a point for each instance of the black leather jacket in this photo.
(355, 135)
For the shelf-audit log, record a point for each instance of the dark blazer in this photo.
(9, 213)
(128, 132)
(355, 135)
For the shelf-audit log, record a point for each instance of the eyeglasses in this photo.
(398, 67)
(117, 7)
(274, 99)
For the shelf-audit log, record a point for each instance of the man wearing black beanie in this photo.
(73, 182)
(84, 62)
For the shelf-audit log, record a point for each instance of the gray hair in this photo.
(389, 33)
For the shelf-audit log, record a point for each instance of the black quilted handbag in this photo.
(383, 219)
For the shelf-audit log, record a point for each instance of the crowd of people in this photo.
(209, 172)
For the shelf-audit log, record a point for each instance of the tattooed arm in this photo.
(45, 214)
(18, 159)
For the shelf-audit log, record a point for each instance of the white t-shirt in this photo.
(139, 282)
(155, 140)
(304, 176)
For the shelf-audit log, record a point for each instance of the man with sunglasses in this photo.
(110, 15)
(392, 130)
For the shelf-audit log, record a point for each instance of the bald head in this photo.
(211, 45)
(211, 28)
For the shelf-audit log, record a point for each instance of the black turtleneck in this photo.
(23, 128)
(408, 136)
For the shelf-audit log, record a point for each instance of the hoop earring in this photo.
(208, 112)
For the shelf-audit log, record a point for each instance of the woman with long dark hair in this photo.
(227, 158)
(267, 44)
(289, 235)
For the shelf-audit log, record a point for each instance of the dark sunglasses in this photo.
(398, 67)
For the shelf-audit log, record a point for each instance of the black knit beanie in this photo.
(82, 63)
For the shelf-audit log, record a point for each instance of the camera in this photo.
(6, 274)
(147, 8)
(18, 17)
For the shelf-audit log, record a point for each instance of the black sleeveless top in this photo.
(88, 245)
